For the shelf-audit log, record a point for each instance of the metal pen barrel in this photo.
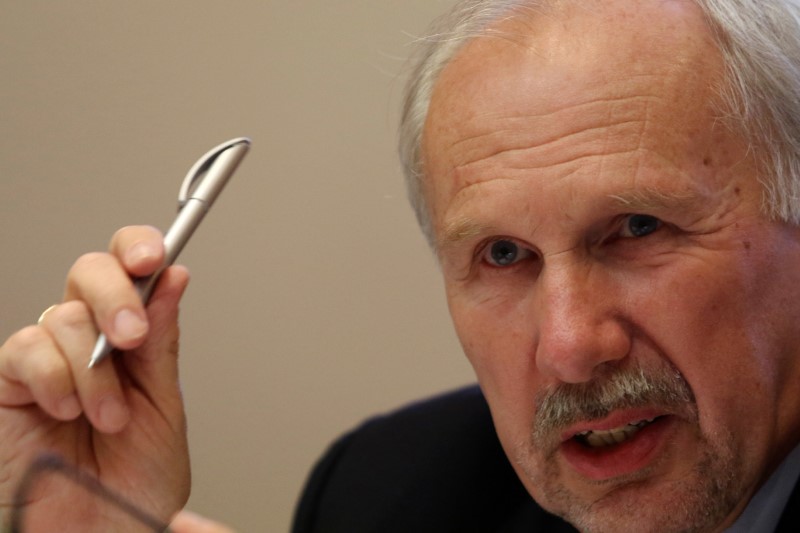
(199, 190)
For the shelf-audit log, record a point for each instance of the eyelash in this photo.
(484, 251)
(655, 221)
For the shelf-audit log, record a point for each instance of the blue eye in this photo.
(640, 225)
(503, 253)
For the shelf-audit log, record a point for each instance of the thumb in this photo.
(154, 364)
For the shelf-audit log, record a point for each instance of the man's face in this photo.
(630, 313)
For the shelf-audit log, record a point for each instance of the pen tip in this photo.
(101, 350)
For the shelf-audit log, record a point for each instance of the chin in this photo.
(705, 498)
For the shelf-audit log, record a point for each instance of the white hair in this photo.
(760, 44)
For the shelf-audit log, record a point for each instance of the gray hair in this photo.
(760, 43)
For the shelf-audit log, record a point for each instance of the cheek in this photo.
(496, 336)
(694, 317)
(499, 347)
(714, 321)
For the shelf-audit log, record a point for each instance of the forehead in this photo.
(558, 86)
(580, 44)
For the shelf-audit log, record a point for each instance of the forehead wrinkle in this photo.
(598, 113)
(606, 131)
(550, 149)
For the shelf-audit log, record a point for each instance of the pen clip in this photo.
(205, 180)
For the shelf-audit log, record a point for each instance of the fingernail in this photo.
(113, 414)
(140, 252)
(129, 325)
(69, 407)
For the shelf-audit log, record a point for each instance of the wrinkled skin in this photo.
(595, 218)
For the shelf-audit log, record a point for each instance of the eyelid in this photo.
(479, 256)
(623, 228)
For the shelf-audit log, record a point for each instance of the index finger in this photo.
(100, 280)
(140, 249)
(103, 281)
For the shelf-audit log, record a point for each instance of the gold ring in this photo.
(44, 313)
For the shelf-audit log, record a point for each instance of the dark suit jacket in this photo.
(435, 466)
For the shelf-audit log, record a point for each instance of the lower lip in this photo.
(621, 459)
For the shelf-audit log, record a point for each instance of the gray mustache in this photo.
(621, 388)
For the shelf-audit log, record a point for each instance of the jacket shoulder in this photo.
(435, 465)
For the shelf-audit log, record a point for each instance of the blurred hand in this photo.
(188, 522)
(121, 421)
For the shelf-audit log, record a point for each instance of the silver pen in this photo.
(200, 188)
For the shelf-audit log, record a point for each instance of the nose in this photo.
(580, 325)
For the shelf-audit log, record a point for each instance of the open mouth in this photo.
(604, 438)
(619, 449)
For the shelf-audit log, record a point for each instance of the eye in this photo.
(639, 225)
(504, 252)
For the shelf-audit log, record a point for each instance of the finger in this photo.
(189, 522)
(100, 280)
(33, 371)
(153, 366)
(140, 249)
(98, 389)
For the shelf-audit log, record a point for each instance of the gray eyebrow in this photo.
(460, 230)
(650, 199)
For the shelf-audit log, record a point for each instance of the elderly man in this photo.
(610, 187)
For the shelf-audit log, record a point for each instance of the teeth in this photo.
(598, 438)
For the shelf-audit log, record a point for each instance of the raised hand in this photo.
(121, 421)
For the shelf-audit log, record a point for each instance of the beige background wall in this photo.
(314, 300)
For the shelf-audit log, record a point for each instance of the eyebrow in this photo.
(460, 230)
(649, 199)
(653, 199)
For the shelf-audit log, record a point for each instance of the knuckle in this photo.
(121, 236)
(83, 267)
(88, 261)
(26, 354)
(27, 339)
(152, 231)
(74, 314)
(49, 371)
(120, 233)
(135, 233)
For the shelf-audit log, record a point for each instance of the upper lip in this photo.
(616, 419)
